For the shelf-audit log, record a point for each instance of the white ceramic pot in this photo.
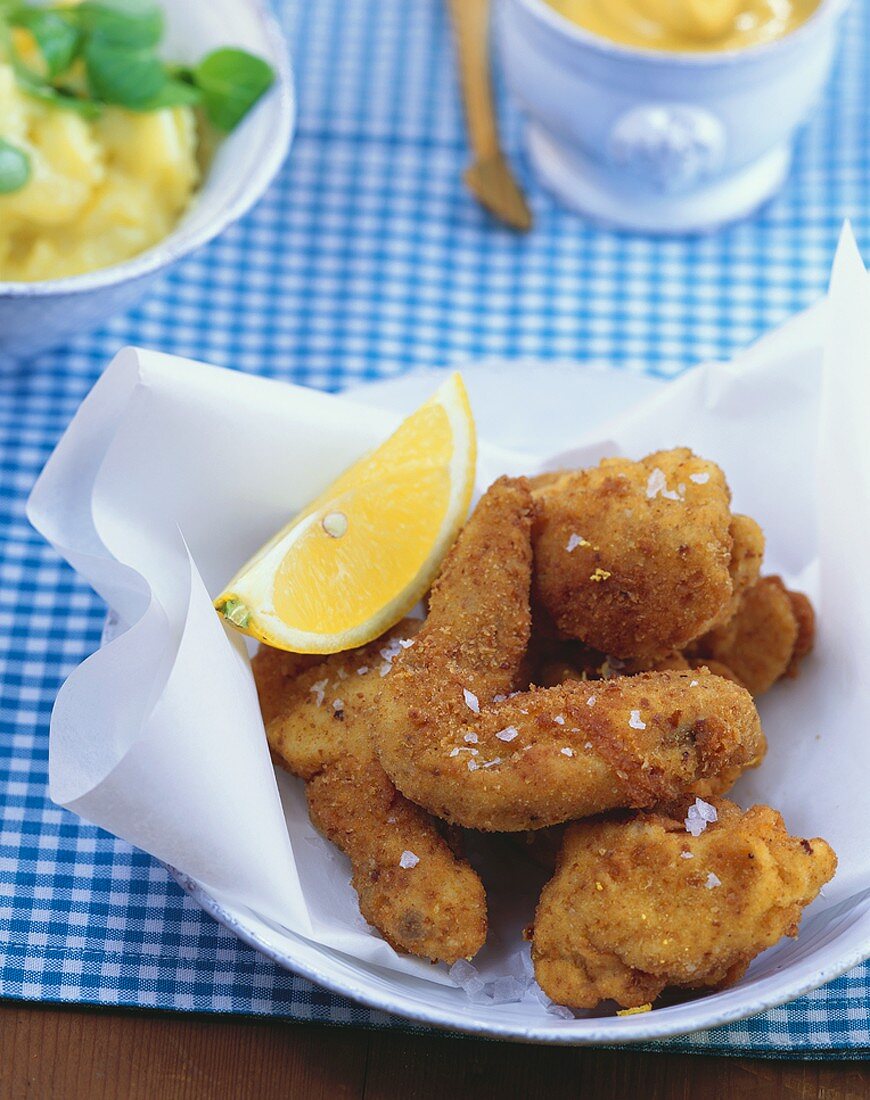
(654, 141)
(38, 316)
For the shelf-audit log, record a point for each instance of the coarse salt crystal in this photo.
(508, 733)
(566, 751)
(475, 990)
(712, 881)
(574, 541)
(590, 702)
(588, 745)
(470, 738)
(406, 643)
(521, 967)
(389, 653)
(391, 821)
(559, 720)
(462, 971)
(699, 479)
(408, 860)
(687, 855)
(362, 670)
(506, 990)
(657, 484)
(471, 701)
(635, 721)
(454, 752)
(338, 704)
(319, 690)
(499, 698)
(699, 815)
(540, 995)
(693, 684)
(472, 765)
(491, 763)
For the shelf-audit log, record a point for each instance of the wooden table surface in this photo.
(49, 1053)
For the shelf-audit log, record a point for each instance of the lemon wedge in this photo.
(357, 559)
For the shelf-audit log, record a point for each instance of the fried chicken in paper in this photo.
(455, 736)
(637, 559)
(412, 885)
(770, 633)
(639, 904)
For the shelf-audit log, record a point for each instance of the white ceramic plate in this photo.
(833, 939)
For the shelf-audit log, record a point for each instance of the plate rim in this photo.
(621, 1031)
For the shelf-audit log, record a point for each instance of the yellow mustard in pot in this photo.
(688, 25)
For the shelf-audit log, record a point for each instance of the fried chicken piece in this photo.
(638, 904)
(806, 623)
(765, 640)
(717, 668)
(747, 553)
(411, 885)
(636, 559)
(560, 665)
(453, 738)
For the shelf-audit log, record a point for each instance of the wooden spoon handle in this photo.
(471, 30)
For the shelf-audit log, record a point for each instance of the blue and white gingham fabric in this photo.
(365, 259)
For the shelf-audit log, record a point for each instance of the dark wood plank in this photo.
(91, 1054)
(418, 1068)
(75, 1054)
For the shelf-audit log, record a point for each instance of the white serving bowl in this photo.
(38, 316)
(654, 141)
(834, 936)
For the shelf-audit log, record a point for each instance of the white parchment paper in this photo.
(173, 472)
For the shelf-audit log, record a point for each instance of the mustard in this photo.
(688, 25)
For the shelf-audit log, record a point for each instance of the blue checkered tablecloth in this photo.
(366, 259)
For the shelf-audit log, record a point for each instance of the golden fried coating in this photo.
(274, 673)
(411, 884)
(637, 558)
(806, 622)
(765, 639)
(454, 739)
(638, 904)
(558, 662)
(747, 553)
(717, 668)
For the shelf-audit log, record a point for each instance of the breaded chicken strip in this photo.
(453, 738)
(806, 622)
(766, 638)
(747, 553)
(411, 884)
(638, 904)
(636, 559)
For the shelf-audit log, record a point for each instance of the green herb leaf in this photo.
(123, 75)
(36, 86)
(174, 93)
(57, 38)
(60, 97)
(14, 167)
(137, 24)
(231, 82)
